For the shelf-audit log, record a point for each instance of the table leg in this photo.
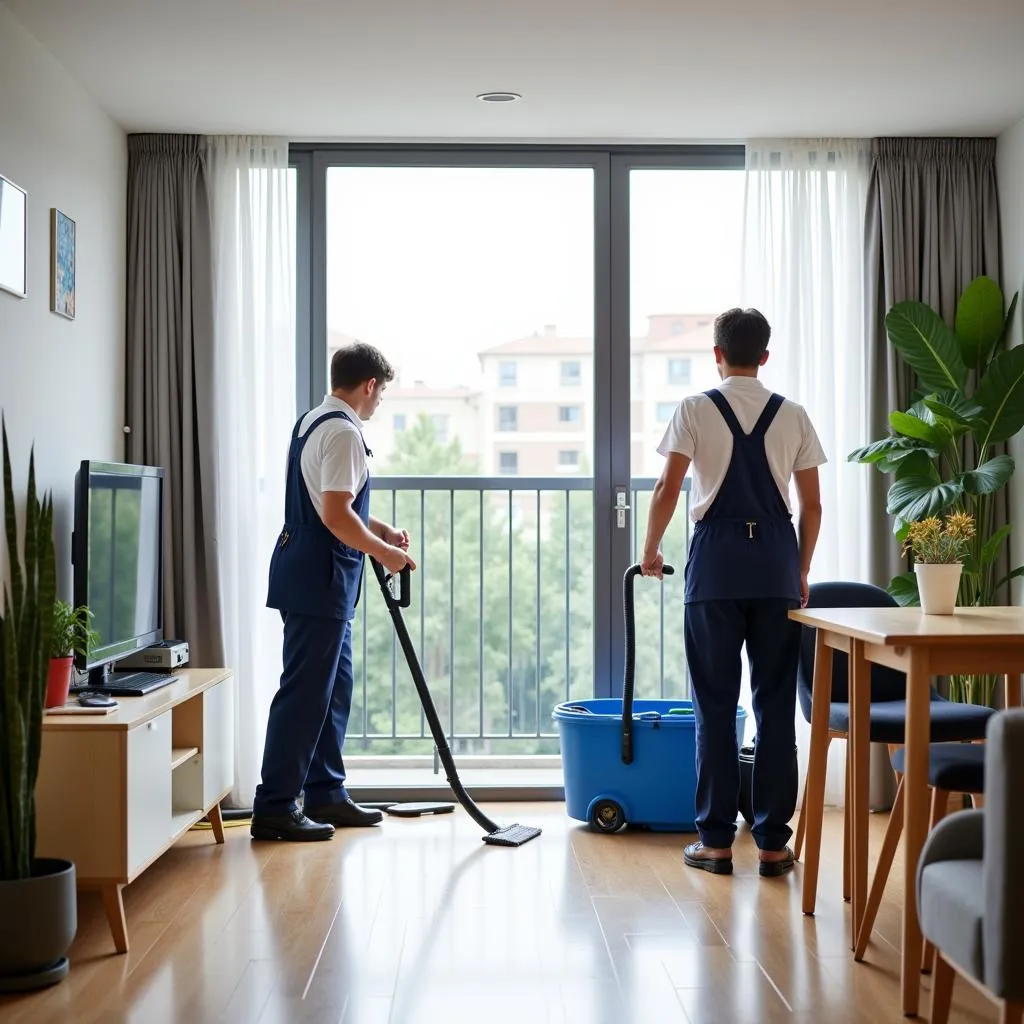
(821, 702)
(113, 903)
(216, 822)
(1011, 697)
(860, 752)
(916, 814)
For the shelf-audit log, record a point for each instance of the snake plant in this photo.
(26, 627)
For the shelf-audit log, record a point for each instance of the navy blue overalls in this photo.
(314, 583)
(742, 578)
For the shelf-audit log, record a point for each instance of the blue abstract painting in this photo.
(62, 288)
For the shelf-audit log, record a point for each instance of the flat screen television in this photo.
(117, 556)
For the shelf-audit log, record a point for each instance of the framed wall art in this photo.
(13, 238)
(62, 264)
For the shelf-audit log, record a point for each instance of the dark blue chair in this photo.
(951, 721)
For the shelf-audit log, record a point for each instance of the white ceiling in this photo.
(587, 69)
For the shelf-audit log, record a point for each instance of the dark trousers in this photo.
(308, 717)
(715, 633)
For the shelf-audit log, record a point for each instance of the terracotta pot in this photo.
(938, 584)
(58, 682)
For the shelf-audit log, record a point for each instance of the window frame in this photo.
(610, 368)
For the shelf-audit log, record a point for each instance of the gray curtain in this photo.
(169, 372)
(932, 227)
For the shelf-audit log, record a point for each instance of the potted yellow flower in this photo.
(938, 549)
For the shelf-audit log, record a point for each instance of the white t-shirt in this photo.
(334, 458)
(698, 430)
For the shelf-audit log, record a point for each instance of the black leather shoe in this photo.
(295, 827)
(346, 815)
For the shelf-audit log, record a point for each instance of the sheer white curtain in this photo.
(803, 267)
(252, 207)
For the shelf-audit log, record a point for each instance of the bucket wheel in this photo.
(607, 816)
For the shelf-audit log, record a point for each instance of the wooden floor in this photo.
(418, 921)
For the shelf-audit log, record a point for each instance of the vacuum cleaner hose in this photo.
(627, 687)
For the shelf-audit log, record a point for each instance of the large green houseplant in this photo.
(37, 893)
(943, 452)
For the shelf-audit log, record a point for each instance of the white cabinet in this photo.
(149, 790)
(218, 740)
(115, 790)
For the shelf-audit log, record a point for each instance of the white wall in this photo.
(61, 381)
(1010, 172)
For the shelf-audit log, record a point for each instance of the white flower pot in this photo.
(938, 584)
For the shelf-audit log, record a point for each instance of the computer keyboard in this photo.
(129, 684)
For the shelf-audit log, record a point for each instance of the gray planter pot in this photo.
(41, 918)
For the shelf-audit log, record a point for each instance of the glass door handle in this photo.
(621, 508)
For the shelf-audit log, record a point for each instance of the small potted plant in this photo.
(938, 549)
(71, 635)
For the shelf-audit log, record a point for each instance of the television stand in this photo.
(116, 791)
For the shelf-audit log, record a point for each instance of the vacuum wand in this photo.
(510, 835)
(630, 627)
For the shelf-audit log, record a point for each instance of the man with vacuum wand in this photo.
(316, 573)
(745, 570)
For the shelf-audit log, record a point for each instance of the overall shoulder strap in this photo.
(722, 403)
(768, 413)
(339, 414)
(336, 415)
(345, 415)
(316, 423)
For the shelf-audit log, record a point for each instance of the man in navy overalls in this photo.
(315, 576)
(745, 570)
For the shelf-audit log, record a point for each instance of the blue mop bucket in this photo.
(627, 761)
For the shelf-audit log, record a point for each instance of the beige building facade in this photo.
(532, 411)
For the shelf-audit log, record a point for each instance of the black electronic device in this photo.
(117, 555)
(96, 700)
(127, 684)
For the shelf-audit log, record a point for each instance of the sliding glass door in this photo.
(543, 309)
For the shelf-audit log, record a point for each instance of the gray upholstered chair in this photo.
(970, 885)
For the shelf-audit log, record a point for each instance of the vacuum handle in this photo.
(629, 611)
(384, 578)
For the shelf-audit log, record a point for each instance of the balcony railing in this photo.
(502, 614)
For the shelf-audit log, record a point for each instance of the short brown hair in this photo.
(357, 363)
(742, 335)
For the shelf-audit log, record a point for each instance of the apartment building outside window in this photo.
(568, 459)
(508, 418)
(507, 374)
(398, 422)
(665, 411)
(508, 463)
(570, 414)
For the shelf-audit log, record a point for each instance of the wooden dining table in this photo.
(985, 641)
